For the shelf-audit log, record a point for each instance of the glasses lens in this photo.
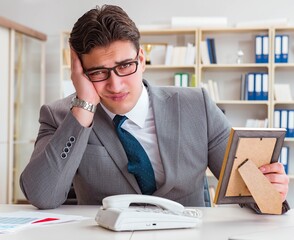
(98, 75)
(126, 68)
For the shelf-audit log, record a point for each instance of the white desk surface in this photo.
(218, 223)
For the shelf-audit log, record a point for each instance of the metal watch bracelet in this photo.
(76, 102)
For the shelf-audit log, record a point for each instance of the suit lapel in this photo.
(166, 115)
(104, 130)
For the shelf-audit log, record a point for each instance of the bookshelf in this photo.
(227, 71)
(22, 93)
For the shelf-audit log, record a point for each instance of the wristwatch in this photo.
(76, 102)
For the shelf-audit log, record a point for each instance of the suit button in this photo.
(63, 155)
(66, 150)
(69, 144)
(72, 139)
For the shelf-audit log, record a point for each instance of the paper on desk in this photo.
(14, 221)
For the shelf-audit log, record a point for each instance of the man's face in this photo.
(117, 94)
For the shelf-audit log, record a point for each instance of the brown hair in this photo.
(99, 27)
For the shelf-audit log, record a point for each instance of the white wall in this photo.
(54, 16)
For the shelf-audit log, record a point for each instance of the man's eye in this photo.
(95, 73)
(126, 65)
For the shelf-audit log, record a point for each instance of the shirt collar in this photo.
(139, 112)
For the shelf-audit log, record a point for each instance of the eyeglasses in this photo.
(121, 70)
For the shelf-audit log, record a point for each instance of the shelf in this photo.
(228, 66)
(242, 102)
(163, 67)
(168, 31)
(284, 102)
(289, 140)
(283, 65)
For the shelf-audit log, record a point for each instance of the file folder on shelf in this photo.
(285, 48)
(258, 49)
(278, 48)
(277, 118)
(284, 120)
(284, 158)
(211, 50)
(250, 87)
(257, 86)
(265, 49)
(290, 129)
(264, 87)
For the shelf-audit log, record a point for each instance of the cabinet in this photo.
(21, 95)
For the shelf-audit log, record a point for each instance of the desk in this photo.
(218, 223)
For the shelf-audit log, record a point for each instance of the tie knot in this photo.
(119, 120)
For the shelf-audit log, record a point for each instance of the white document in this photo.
(14, 221)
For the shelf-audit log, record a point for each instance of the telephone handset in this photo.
(117, 214)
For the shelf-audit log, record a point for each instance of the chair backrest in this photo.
(206, 193)
(71, 197)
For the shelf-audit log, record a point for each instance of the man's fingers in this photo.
(272, 168)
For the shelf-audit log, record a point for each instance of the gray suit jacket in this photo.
(192, 134)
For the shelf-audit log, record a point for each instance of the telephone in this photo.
(117, 214)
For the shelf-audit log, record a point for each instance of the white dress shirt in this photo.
(141, 125)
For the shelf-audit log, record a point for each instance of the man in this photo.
(182, 131)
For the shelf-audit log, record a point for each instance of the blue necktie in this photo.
(139, 163)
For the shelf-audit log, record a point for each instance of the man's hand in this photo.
(275, 173)
(84, 88)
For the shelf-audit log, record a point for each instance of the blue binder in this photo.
(264, 87)
(250, 86)
(284, 158)
(258, 86)
(285, 48)
(258, 49)
(277, 118)
(291, 123)
(265, 49)
(284, 120)
(278, 48)
(211, 50)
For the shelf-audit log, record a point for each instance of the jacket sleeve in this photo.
(58, 151)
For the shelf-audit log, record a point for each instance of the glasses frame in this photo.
(136, 61)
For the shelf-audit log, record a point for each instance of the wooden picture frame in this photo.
(260, 145)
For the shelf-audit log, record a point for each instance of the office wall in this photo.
(54, 16)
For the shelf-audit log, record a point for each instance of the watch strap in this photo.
(76, 102)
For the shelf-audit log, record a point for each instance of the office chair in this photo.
(206, 193)
(71, 197)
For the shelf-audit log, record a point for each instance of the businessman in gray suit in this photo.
(182, 131)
